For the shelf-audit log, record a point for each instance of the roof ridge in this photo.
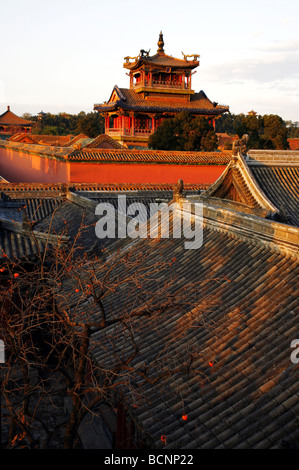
(151, 151)
(252, 228)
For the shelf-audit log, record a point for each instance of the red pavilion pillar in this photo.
(132, 124)
(153, 124)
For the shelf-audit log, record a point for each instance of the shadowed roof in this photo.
(277, 174)
(228, 358)
(65, 210)
(264, 180)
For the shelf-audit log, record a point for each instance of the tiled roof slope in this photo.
(103, 141)
(39, 139)
(240, 390)
(27, 138)
(69, 210)
(19, 239)
(277, 174)
(264, 180)
(72, 220)
(130, 100)
(16, 242)
(76, 215)
(37, 200)
(82, 138)
(19, 213)
(9, 118)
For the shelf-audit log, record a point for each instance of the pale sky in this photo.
(66, 55)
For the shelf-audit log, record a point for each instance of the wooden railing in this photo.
(167, 83)
(126, 131)
(161, 83)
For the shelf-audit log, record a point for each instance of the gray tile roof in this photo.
(70, 213)
(264, 181)
(225, 362)
(280, 184)
(223, 356)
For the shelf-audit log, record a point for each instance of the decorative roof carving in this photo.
(195, 56)
(241, 145)
(160, 59)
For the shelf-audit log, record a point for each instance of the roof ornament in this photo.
(280, 216)
(178, 190)
(160, 43)
(128, 58)
(241, 145)
(195, 56)
(144, 53)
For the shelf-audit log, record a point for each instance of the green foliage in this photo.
(184, 132)
(27, 116)
(275, 131)
(265, 132)
(50, 130)
(293, 129)
(91, 124)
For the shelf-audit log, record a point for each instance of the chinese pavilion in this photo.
(160, 87)
(11, 124)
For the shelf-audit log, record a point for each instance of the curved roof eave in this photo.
(156, 109)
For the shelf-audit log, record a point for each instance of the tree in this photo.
(27, 116)
(293, 129)
(91, 124)
(59, 309)
(253, 126)
(184, 132)
(265, 132)
(275, 132)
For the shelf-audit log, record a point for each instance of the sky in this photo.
(67, 55)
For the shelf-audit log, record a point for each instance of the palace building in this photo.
(160, 88)
(11, 124)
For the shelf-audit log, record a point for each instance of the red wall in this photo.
(143, 173)
(18, 167)
(21, 167)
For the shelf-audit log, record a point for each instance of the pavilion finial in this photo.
(160, 43)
